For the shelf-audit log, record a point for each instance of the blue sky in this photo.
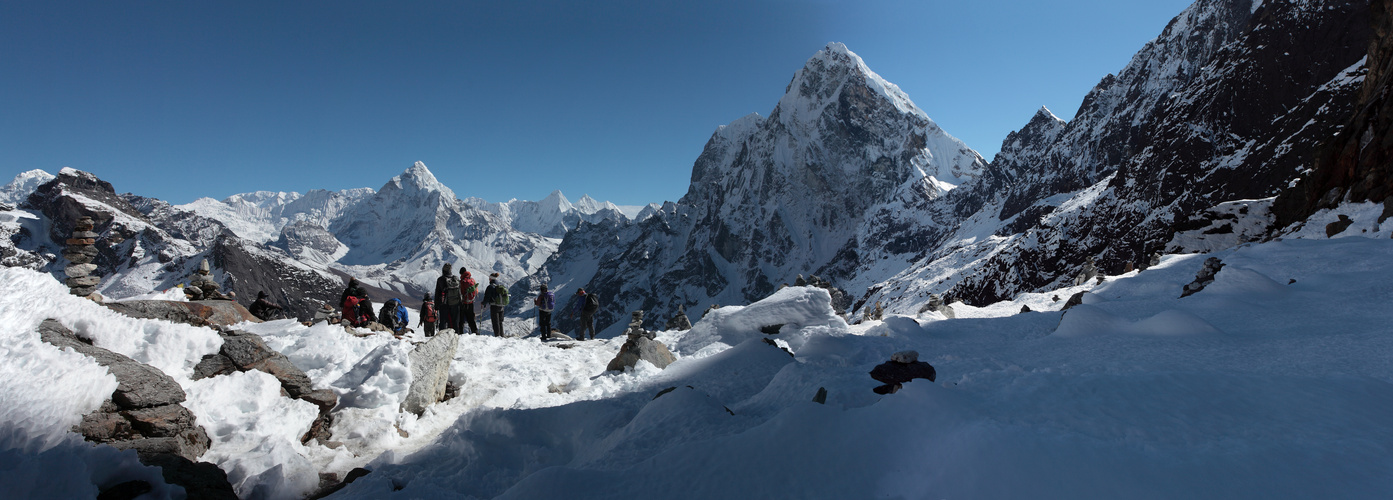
(179, 100)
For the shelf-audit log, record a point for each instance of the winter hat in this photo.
(427, 297)
(493, 277)
(580, 291)
(447, 269)
(260, 295)
(544, 287)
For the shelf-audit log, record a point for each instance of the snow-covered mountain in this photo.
(1227, 104)
(772, 198)
(22, 186)
(553, 216)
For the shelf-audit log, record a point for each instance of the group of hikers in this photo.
(452, 307)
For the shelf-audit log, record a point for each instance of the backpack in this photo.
(471, 290)
(428, 312)
(452, 295)
(592, 303)
(546, 301)
(387, 315)
(500, 295)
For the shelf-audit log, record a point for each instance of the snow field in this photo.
(1252, 388)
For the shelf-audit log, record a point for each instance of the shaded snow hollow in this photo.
(1252, 388)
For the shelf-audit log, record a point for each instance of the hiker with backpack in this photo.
(428, 316)
(393, 316)
(469, 291)
(448, 298)
(545, 302)
(496, 296)
(365, 312)
(586, 304)
(263, 309)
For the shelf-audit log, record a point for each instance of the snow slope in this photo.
(1252, 388)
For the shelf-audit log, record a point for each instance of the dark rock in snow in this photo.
(198, 313)
(902, 367)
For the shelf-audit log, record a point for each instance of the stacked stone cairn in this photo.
(642, 344)
(1211, 267)
(81, 251)
(680, 321)
(201, 285)
(902, 367)
(1090, 271)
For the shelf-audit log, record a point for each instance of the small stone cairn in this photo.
(202, 286)
(680, 321)
(642, 344)
(1090, 271)
(81, 251)
(876, 313)
(1204, 277)
(1155, 259)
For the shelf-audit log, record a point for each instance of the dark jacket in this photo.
(489, 293)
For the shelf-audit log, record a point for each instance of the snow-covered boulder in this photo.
(802, 311)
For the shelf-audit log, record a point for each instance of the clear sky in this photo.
(179, 100)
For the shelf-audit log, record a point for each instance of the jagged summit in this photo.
(419, 179)
(23, 184)
(827, 74)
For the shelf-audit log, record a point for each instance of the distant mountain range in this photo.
(846, 178)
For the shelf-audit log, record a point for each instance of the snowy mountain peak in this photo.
(419, 179)
(556, 200)
(23, 184)
(825, 76)
(1044, 113)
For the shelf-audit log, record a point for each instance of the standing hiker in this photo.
(428, 316)
(469, 291)
(587, 304)
(545, 302)
(496, 296)
(447, 298)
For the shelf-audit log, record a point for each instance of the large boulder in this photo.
(197, 313)
(644, 348)
(138, 385)
(430, 370)
(243, 351)
(902, 367)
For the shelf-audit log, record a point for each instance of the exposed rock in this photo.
(213, 365)
(200, 480)
(139, 385)
(821, 396)
(643, 348)
(430, 371)
(1204, 277)
(197, 313)
(1025, 309)
(1089, 271)
(325, 399)
(1338, 226)
(679, 321)
(903, 367)
(1074, 300)
(936, 304)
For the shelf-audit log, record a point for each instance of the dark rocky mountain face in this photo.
(1357, 164)
(147, 244)
(771, 198)
(1228, 103)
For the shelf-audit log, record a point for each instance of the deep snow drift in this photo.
(1256, 387)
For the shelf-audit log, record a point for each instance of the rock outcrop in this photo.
(144, 414)
(902, 367)
(1203, 278)
(243, 351)
(430, 371)
(197, 313)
